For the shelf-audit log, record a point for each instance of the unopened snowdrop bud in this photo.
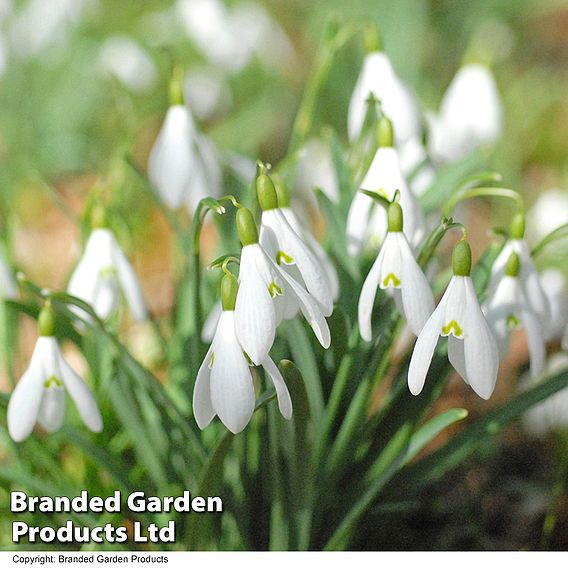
(469, 117)
(224, 384)
(367, 223)
(472, 349)
(507, 310)
(39, 396)
(378, 78)
(267, 294)
(287, 248)
(183, 165)
(396, 271)
(104, 274)
(528, 276)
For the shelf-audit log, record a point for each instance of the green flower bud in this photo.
(385, 134)
(46, 321)
(176, 87)
(513, 265)
(281, 191)
(266, 191)
(372, 39)
(395, 218)
(461, 259)
(99, 217)
(518, 226)
(229, 289)
(246, 227)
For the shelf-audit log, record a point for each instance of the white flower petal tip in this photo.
(40, 394)
(396, 269)
(282, 393)
(458, 317)
(104, 275)
(183, 164)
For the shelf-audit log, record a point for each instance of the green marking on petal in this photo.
(212, 360)
(274, 290)
(391, 278)
(249, 360)
(513, 322)
(53, 380)
(452, 327)
(282, 256)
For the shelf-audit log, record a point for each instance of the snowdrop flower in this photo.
(103, 273)
(552, 413)
(183, 164)
(528, 275)
(549, 212)
(508, 310)
(224, 385)
(286, 247)
(40, 394)
(396, 271)
(365, 221)
(378, 77)
(267, 295)
(472, 348)
(316, 170)
(469, 117)
(554, 285)
(124, 59)
(8, 286)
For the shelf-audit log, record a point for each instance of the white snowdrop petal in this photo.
(456, 356)
(417, 297)
(284, 400)
(367, 297)
(255, 316)
(481, 354)
(424, 350)
(357, 222)
(51, 413)
(8, 286)
(25, 403)
(202, 407)
(232, 390)
(82, 396)
(210, 325)
(325, 261)
(535, 341)
(130, 284)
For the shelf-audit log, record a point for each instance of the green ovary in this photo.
(274, 290)
(52, 381)
(452, 326)
(391, 277)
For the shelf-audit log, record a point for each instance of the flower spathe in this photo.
(472, 348)
(508, 310)
(396, 271)
(39, 396)
(379, 78)
(183, 164)
(224, 385)
(470, 115)
(103, 273)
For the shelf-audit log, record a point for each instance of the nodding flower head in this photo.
(39, 396)
(472, 349)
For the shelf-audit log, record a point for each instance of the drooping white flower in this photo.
(528, 276)
(469, 117)
(104, 274)
(286, 247)
(472, 348)
(368, 222)
(267, 295)
(554, 285)
(8, 286)
(224, 385)
(507, 310)
(39, 396)
(183, 165)
(396, 271)
(378, 77)
(316, 170)
(549, 212)
(123, 58)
